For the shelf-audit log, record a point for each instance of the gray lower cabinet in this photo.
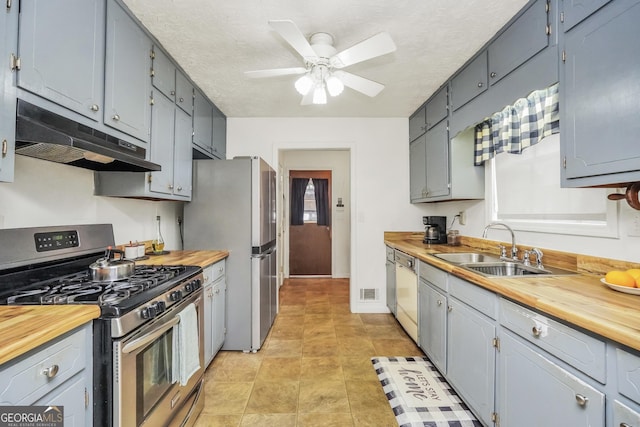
(623, 416)
(535, 391)
(47, 32)
(471, 357)
(390, 267)
(59, 373)
(432, 324)
(600, 101)
(215, 288)
(8, 45)
(127, 75)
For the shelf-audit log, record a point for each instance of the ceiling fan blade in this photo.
(275, 72)
(378, 45)
(366, 86)
(307, 99)
(292, 34)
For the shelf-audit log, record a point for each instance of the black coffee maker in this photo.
(435, 229)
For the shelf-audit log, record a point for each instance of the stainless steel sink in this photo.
(467, 257)
(507, 268)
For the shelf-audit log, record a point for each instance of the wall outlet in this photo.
(462, 219)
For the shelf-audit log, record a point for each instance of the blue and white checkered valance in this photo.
(518, 126)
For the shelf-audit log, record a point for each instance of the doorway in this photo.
(310, 223)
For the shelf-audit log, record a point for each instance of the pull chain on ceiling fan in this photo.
(323, 65)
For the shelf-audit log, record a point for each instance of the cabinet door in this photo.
(219, 314)
(208, 323)
(127, 75)
(599, 95)
(470, 82)
(61, 47)
(391, 286)
(182, 162)
(219, 142)
(417, 123)
(202, 121)
(534, 391)
(184, 93)
(8, 45)
(471, 358)
(162, 134)
(623, 416)
(437, 108)
(437, 161)
(574, 11)
(71, 395)
(418, 168)
(164, 73)
(432, 324)
(525, 37)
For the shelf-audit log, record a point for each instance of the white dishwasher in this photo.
(407, 293)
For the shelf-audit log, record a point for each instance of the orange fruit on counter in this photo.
(635, 272)
(620, 278)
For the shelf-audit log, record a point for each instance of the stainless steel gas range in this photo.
(147, 345)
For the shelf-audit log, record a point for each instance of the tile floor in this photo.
(314, 368)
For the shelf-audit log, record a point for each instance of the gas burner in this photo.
(26, 297)
(113, 296)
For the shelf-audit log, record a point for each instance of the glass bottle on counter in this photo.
(158, 243)
(453, 238)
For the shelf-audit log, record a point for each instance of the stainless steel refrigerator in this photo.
(233, 207)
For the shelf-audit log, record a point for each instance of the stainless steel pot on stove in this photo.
(108, 269)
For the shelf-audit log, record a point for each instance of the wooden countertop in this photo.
(581, 300)
(25, 327)
(199, 258)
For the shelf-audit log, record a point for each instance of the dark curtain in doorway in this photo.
(298, 188)
(321, 187)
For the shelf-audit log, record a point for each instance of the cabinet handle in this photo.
(173, 92)
(449, 309)
(179, 188)
(4, 147)
(480, 84)
(181, 99)
(116, 117)
(581, 399)
(51, 372)
(206, 279)
(170, 186)
(493, 74)
(624, 425)
(94, 107)
(536, 331)
(220, 269)
(439, 302)
(217, 291)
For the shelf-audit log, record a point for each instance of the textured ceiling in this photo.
(215, 41)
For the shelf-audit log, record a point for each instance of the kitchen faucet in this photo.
(514, 249)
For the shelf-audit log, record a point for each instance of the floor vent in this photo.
(369, 294)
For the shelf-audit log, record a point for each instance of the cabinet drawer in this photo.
(217, 270)
(624, 416)
(433, 275)
(579, 350)
(24, 382)
(628, 371)
(475, 296)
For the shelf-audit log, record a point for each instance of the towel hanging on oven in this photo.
(186, 350)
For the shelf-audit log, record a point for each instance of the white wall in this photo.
(46, 193)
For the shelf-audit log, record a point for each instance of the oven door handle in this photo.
(151, 336)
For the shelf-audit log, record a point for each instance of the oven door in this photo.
(145, 392)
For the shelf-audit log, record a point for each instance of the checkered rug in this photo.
(419, 395)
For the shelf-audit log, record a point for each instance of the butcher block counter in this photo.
(23, 328)
(199, 258)
(580, 299)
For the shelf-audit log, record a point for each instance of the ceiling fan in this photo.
(323, 64)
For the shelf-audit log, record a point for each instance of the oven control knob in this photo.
(175, 296)
(148, 312)
(160, 306)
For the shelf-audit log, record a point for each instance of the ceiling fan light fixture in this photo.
(303, 84)
(319, 95)
(334, 86)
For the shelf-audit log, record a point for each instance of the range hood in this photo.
(49, 136)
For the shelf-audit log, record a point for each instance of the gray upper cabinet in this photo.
(524, 38)
(418, 169)
(575, 11)
(437, 162)
(182, 160)
(163, 74)
(162, 134)
(418, 123)
(599, 92)
(219, 141)
(470, 82)
(127, 82)
(184, 93)
(202, 121)
(8, 45)
(48, 32)
(437, 108)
